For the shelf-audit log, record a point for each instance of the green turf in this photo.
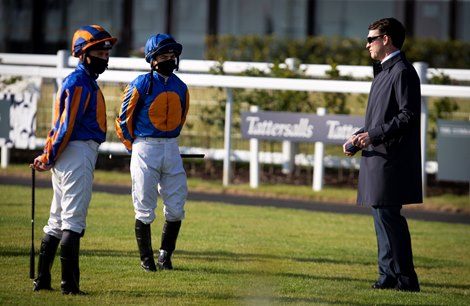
(231, 255)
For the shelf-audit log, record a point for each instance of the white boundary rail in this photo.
(204, 66)
(196, 73)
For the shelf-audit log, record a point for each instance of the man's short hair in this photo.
(390, 27)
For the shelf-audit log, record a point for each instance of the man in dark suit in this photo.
(390, 170)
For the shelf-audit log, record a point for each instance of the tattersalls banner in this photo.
(299, 127)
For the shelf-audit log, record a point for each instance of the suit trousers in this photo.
(395, 258)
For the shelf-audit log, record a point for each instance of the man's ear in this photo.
(154, 63)
(387, 40)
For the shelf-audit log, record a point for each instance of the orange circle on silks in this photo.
(165, 111)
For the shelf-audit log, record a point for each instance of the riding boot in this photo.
(168, 244)
(69, 257)
(144, 243)
(47, 253)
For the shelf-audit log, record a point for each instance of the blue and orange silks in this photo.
(79, 114)
(160, 114)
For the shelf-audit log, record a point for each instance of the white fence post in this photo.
(289, 148)
(318, 159)
(62, 62)
(254, 156)
(227, 138)
(5, 156)
(422, 69)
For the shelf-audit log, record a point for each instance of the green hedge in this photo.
(322, 50)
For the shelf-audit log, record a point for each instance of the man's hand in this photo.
(356, 143)
(361, 140)
(38, 165)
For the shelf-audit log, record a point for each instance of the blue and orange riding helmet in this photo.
(159, 44)
(91, 36)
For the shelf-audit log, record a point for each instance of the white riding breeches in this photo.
(72, 182)
(157, 168)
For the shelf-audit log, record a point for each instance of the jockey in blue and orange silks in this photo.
(70, 153)
(153, 112)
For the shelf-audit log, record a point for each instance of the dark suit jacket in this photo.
(390, 171)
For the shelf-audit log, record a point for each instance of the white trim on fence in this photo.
(204, 66)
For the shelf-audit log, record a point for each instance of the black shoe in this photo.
(415, 288)
(168, 244)
(47, 253)
(384, 285)
(164, 260)
(408, 283)
(144, 243)
(41, 285)
(148, 265)
(79, 292)
(69, 258)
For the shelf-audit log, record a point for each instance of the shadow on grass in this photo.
(427, 263)
(229, 298)
(224, 255)
(220, 256)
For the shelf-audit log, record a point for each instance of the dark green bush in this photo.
(322, 50)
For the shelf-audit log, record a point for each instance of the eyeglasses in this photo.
(371, 39)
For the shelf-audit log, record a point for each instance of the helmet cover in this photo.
(92, 37)
(160, 44)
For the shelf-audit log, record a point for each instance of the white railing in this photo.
(204, 66)
(195, 73)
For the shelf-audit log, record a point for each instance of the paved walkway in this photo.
(411, 213)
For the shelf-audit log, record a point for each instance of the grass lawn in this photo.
(231, 255)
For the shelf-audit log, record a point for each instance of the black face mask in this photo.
(97, 65)
(166, 67)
